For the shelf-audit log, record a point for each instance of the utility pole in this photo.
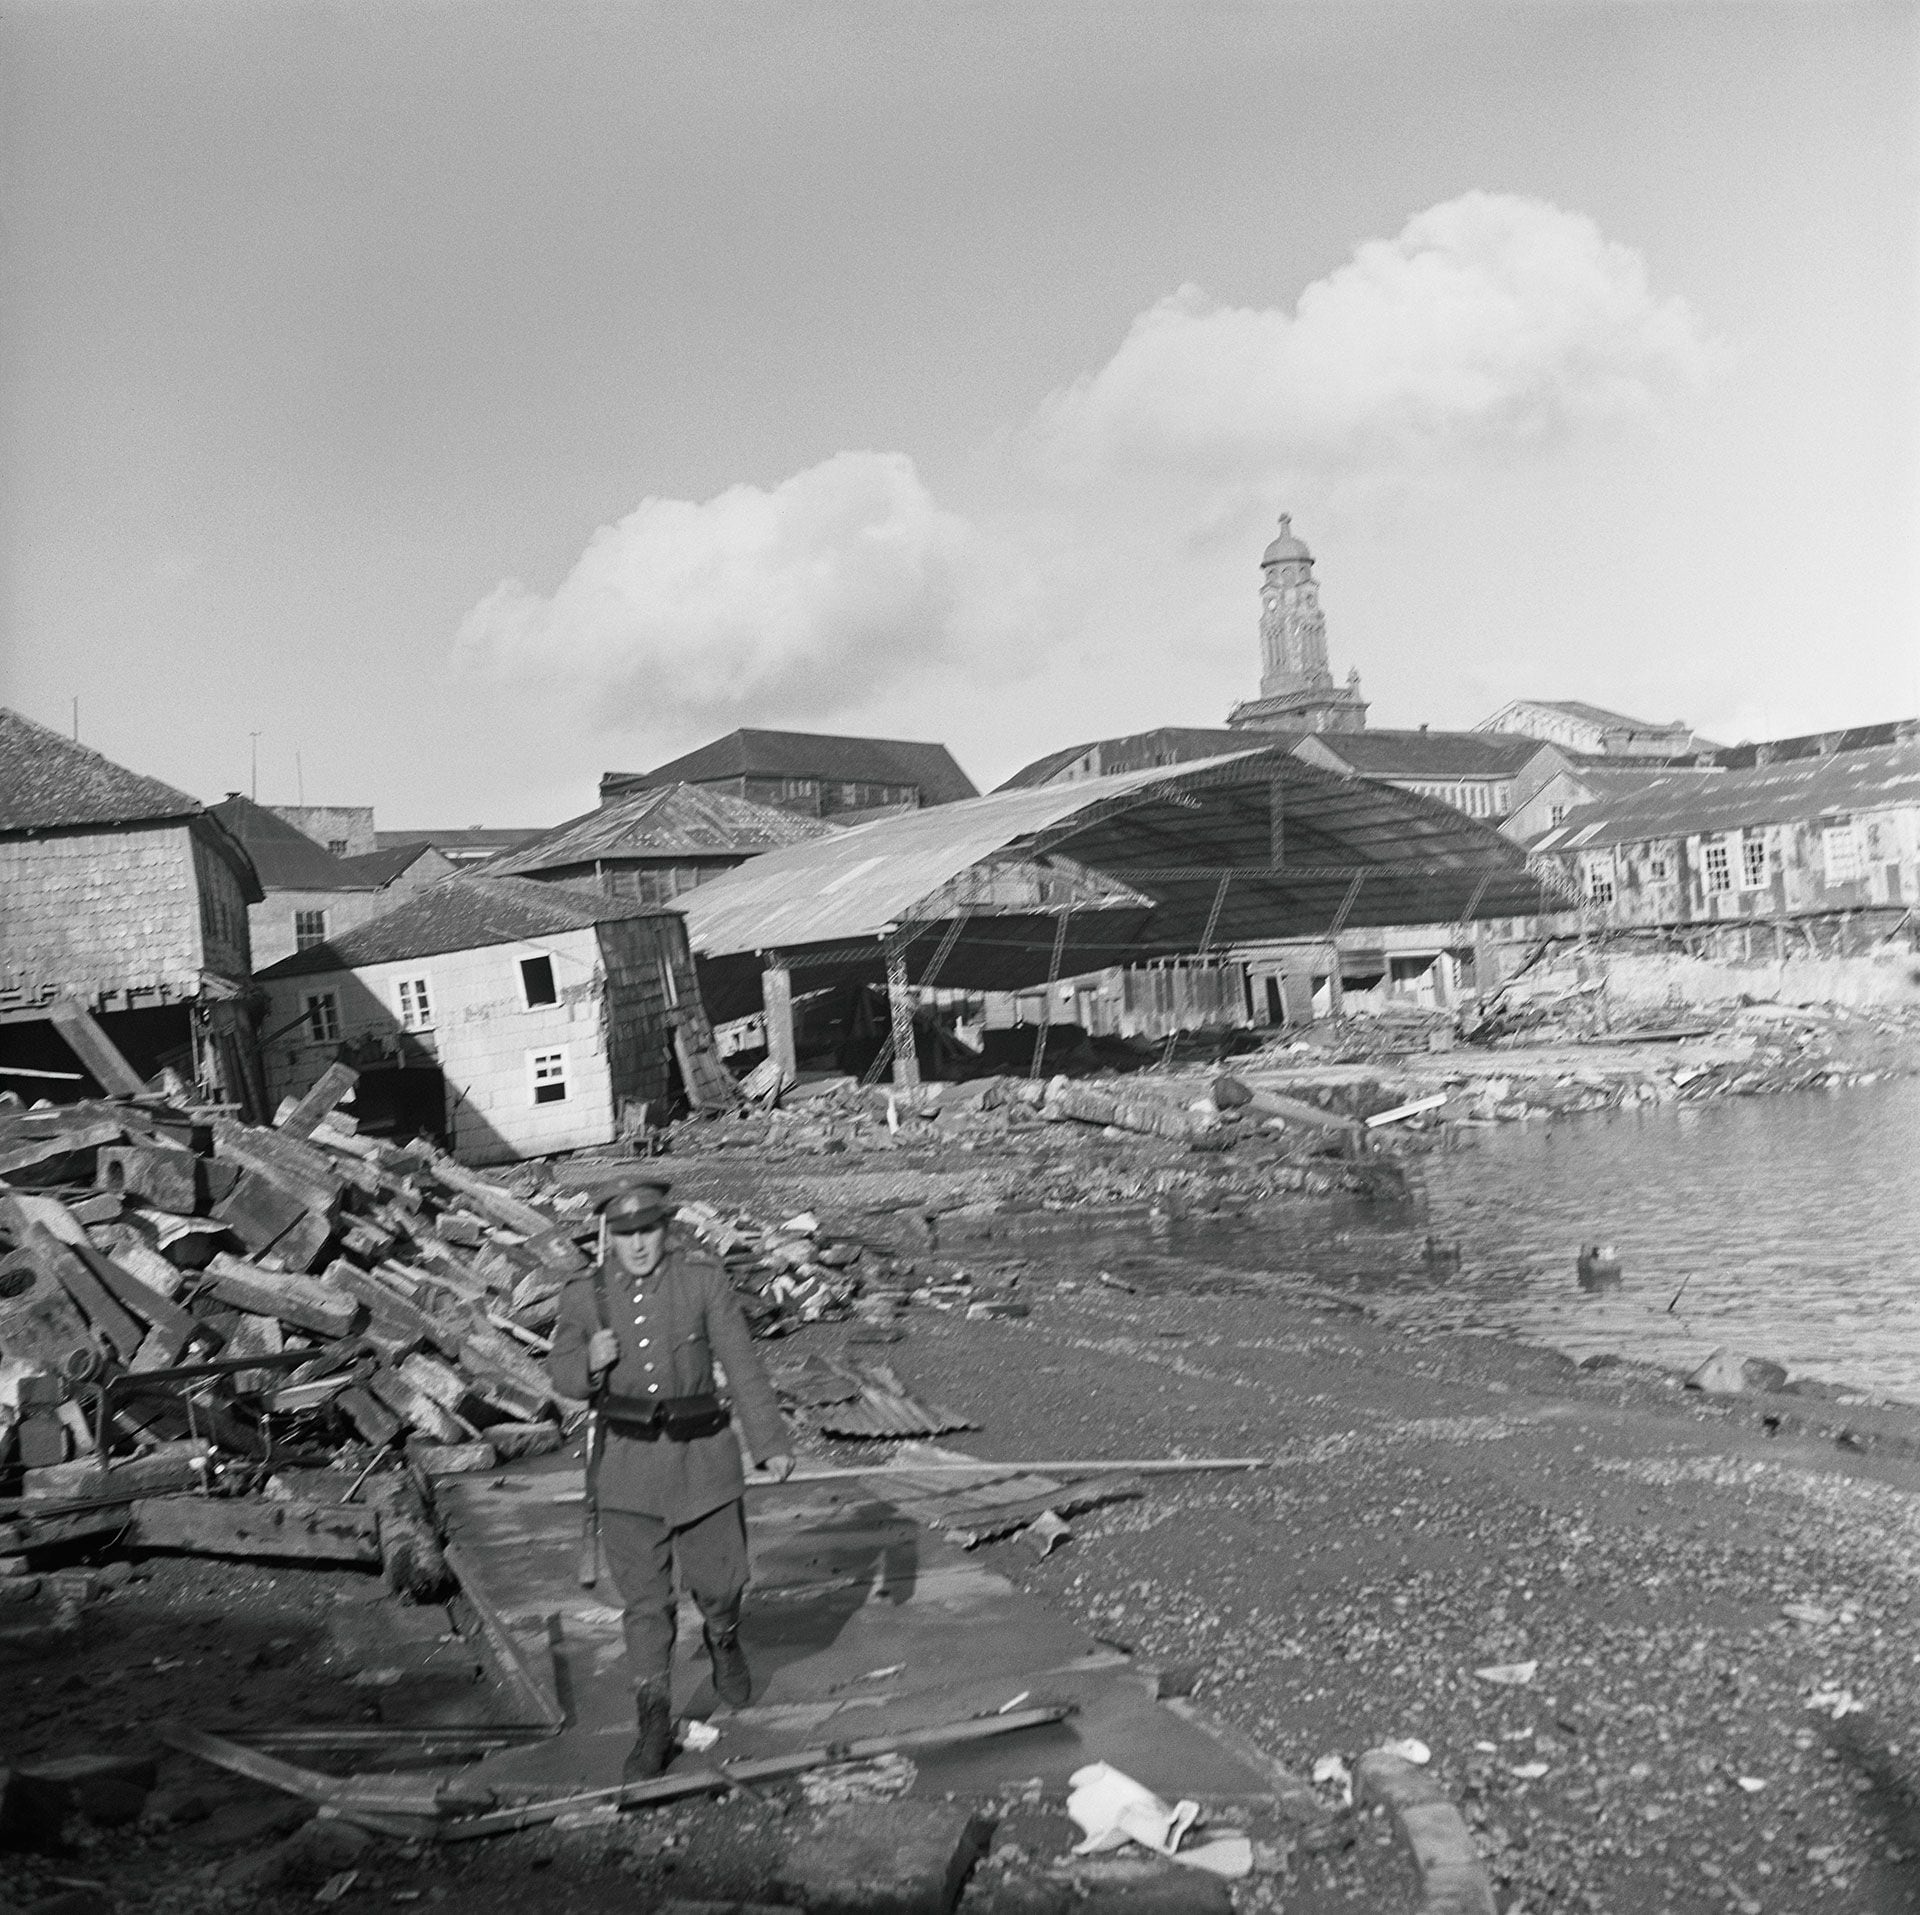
(253, 790)
(300, 780)
(76, 719)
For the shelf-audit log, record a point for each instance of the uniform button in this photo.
(644, 1341)
(653, 1389)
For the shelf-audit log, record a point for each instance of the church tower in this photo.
(1297, 692)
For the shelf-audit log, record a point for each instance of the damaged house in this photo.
(130, 899)
(307, 893)
(1800, 840)
(502, 1017)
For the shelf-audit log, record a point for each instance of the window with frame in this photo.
(1719, 866)
(1656, 865)
(323, 1018)
(548, 1072)
(1556, 815)
(309, 929)
(1753, 863)
(536, 982)
(416, 1004)
(1600, 881)
(338, 846)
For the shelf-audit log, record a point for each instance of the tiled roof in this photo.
(1683, 804)
(47, 782)
(1429, 754)
(807, 754)
(1817, 744)
(1600, 715)
(286, 859)
(663, 821)
(463, 913)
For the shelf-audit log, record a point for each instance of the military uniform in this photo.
(663, 1499)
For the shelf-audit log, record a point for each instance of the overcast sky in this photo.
(471, 398)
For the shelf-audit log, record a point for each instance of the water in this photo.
(1783, 1226)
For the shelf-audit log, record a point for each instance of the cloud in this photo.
(1491, 323)
(804, 601)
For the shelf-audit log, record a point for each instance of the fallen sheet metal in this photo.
(861, 1622)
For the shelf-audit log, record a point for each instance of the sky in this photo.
(436, 405)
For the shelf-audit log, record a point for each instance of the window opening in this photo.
(323, 1018)
(309, 929)
(416, 1007)
(536, 981)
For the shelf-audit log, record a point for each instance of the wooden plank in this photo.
(23, 1532)
(95, 1049)
(409, 1795)
(766, 1768)
(538, 1697)
(490, 1199)
(302, 1301)
(335, 1082)
(316, 1180)
(251, 1528)
(157, 1174)
(59, 1261)
(258, 1211)
(171, 1324)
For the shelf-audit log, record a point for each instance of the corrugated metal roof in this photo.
(1683, 804)
(463, 912)
(48, 782)
(751, 752)
(1195, 839)
(380, 868)
(664, 821)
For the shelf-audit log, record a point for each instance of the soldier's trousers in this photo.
(642, 1553)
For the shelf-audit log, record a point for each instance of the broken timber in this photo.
(250, 1527)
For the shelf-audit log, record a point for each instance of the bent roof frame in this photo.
(1197, 841)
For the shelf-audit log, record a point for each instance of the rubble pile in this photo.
(191, 1304)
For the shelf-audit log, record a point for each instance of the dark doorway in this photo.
(399, 1104)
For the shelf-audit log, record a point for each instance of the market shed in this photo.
(1026, 886)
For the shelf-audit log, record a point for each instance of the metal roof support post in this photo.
(1276, 819)
(906, 1059)
(1046, 1003)
(1336, 987)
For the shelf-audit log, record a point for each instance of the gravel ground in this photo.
(1685, 1583)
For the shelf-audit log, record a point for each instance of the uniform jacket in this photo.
(671, 1326)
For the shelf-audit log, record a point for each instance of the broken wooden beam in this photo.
(334, 1083)
(254, 1527)
(539, 1698)
(105, 1061)
(302, 1301)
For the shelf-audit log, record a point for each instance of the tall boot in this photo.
(654, 1742)
(732, 1680)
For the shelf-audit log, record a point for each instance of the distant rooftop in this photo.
(662, 821)
(751, 753)
(286, 859)
(1137, 751)
(1681, 803)
(1430, 754)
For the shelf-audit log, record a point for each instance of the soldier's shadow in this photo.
(808, 1585)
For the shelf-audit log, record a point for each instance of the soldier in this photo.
(638, 1335)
